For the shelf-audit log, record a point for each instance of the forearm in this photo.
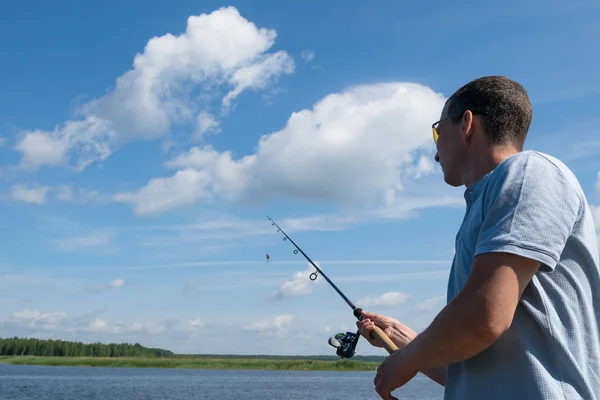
(460, 331)
(437, 374)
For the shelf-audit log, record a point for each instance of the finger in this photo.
(365, 331)
(366, 314)
(363, 323)
(367, 327)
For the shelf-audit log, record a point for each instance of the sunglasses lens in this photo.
(435, 135)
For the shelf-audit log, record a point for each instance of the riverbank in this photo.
(196, 363)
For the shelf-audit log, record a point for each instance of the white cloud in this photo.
(596, 209)
(307, 55)
(39, 148)
(424, 166)
(359, 146)
(88, 138)
(388, 299)
(299, 285)
(100, 325)
(35, 195)
(259, 75)
(393, 208)
(277, 326)
(116, 283)
(79, 195)
(38, 320)
(206, 122)
(429, 304)
(172, 82)
(95, 239)
(27, 279)
(596, 215)
(59, 323)
(186, 187)
(196, 324)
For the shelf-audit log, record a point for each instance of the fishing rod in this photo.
(345, 343)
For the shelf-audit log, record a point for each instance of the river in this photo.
(19, 382)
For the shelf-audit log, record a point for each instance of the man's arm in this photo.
(398, 333)
(478, 315)
(530, 209)
(437, 374)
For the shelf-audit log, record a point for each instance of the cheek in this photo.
(442, 149)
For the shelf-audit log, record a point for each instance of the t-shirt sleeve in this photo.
(530, 209)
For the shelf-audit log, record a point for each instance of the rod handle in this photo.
(378, 333)
(387, 342)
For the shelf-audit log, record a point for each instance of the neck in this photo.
(482, 162)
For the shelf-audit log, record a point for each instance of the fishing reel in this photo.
(345, 343)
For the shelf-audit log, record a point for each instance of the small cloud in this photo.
(80, 196)
(389, 299)
(424, 167)
(117, 283)
(308, 55)
(96, 239)
(2, 141)
(189, 286)
(27, 279)
(596, 215)
(272, 327)
(195, 325)
(39, 148)
(429, 304)
(299, 285)
(36, 195)
(99, 325)
(161, 194)
(206, 122)
(38, 320)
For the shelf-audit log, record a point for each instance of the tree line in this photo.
(61, 348)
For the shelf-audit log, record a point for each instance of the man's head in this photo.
(486, 113)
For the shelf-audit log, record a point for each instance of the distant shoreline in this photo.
(230, 363)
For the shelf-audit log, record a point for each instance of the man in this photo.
(522, 318)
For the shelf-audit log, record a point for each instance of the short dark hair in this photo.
(503, 105)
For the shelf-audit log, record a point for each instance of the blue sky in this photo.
(143, 144)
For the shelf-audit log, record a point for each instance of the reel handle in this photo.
(378, 333)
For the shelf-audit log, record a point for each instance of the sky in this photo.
(144, 144)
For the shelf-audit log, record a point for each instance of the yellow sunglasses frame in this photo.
(434, 126)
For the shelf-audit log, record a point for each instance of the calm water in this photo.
(83, 383)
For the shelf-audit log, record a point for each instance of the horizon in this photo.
(143, 149)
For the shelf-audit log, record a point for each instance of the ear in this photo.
(467, 125)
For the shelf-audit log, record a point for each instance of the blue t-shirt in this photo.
(532, 205)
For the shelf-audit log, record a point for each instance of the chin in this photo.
(451, 181)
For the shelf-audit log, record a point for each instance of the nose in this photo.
(437, 157)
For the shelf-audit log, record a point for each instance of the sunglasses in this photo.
(435, 125)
